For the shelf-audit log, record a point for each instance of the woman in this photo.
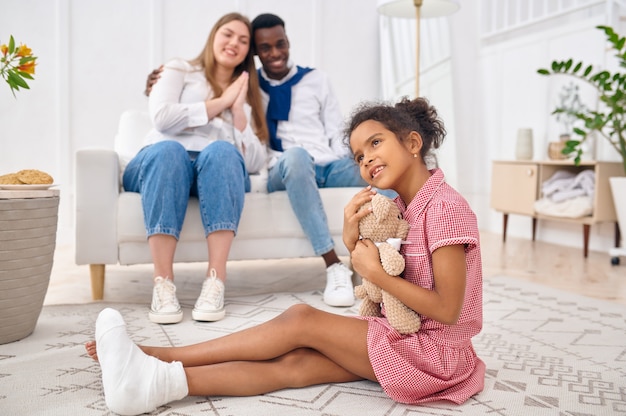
(209, 133)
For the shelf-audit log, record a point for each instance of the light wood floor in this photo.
(554, 265)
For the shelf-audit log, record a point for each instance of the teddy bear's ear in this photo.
(380, 206)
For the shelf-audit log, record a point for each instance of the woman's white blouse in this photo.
(178, 112)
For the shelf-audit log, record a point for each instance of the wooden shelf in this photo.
(516, 185)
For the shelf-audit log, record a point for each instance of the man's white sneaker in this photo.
(210, 304)
(339, 290)
(165, 308)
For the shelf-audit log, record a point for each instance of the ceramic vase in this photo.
(524, 144)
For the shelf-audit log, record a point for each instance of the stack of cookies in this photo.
(26, 177)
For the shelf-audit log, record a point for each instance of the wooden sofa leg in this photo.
(97, 281)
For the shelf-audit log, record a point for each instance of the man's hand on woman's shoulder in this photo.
(153, 77)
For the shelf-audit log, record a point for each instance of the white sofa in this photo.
(110, 227)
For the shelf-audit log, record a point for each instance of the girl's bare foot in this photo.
(90, 346)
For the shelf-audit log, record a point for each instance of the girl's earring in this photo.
(414, 155)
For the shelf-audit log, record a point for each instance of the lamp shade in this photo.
(406, 8)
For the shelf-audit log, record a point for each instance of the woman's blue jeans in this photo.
(166, 175)
(297, 173)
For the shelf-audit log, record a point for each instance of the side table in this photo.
(28, 227)
(516, 185)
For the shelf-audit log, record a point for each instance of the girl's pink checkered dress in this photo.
(438, 362)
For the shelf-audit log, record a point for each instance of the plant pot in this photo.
(618, 189)
(27, 240)
(554, 150)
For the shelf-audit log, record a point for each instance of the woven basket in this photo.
(27, 240)
(554, 150)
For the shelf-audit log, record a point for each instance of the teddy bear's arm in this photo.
(404, 319)
(391, 260)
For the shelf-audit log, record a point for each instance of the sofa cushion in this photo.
(268, 227)
(264, 216)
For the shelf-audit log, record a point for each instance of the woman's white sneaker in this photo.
(165, 308)
(210, 304)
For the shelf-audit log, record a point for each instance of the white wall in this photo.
(497, 90)
(94, 56)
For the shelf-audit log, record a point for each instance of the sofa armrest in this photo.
(97, 191)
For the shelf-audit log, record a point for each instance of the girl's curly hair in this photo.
(402, 118)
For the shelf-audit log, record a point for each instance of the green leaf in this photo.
(567, 65)
(26, 59)
(588, 70)
(543, 71)
(577, 67)
(17, 80)
(11, 45)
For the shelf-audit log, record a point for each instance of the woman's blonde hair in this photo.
(206, 60)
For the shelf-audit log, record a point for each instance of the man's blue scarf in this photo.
(280, 103)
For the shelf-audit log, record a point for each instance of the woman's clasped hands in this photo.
(234, 98)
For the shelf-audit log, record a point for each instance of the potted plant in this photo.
(608, 121)
(569, 105)
(569, 102)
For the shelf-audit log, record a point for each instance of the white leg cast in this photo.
(133, 381)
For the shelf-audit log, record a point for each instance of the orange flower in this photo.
(17, 65)
(24, 50)
(28, 67)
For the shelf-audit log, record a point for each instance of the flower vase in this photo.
(524, 145)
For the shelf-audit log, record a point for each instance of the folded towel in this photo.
(566, 194)
(586, 180)
(580, 206)
(564, 185)
(560, 180)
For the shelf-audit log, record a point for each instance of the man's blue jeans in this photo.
(297, 173)
(165, 175)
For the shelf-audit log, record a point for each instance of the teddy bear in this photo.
(386, 228)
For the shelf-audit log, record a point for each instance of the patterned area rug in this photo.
(547, 353)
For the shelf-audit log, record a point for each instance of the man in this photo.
(307, 150)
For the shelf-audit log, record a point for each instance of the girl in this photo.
(305, 346)
(209, 132)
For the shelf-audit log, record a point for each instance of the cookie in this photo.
(33, 177)
(10, 179)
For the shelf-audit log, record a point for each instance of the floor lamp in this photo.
(417, 9)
